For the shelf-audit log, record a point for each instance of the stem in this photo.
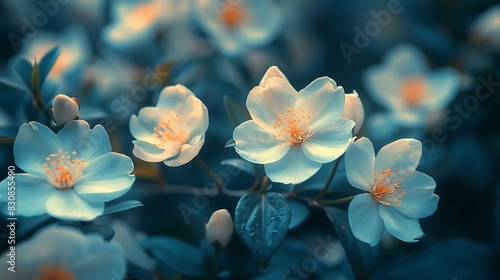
(335, 201)
(209, 172)
(265, 184)
(324, 190)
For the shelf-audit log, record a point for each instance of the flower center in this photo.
(54, 273)
(231, 15)
(413, 90)
(293, 127)
(143, 15)
(171, 130)
(63, 169)
(386, 188)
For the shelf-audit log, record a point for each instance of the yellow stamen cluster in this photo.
(63, 169)
(171, 130)
(294, 126)
(413, 91)
(386, 188)
(231, 15)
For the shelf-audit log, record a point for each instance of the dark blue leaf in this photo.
(242, 165)
(106, 231)
(262, 221)
(300, 212)
(176, 254)
(7, 87)
(236, 113)
(121, 206)
(47, 62)
(23, 68)
(361, 256)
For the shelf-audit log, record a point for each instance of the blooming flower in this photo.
(173, 131)
(397, 195)
(69, 175)
(293, 133)
(235, 26)
(64, 109)
(59, 252)
(220, 228)
(404, 85)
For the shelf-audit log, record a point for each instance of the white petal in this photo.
(140, 130)
(65, 109)
(68, 205)
(365, 220)
(174, 98)
(187, 153)
(273, 71)
(399, 225)
(150, 153)
(31, 194)
(295, 167)
(195, 116)
(354, 110)
(323, 101)
(443, 86)
(406, 60)
(420, 200)
(384, 85)
(89, 144)
(329, 144)
(107, 178)
(403, 155)
(34, 142)
(257, 145)
(359, 162)
(106, 259)
(265, 103)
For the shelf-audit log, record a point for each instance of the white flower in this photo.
(220, 227)
(173, 131)
(293, 133)
(65, 109)
(64, 253)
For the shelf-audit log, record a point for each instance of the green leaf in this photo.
(361, 256)
(235, 112)
(35, 78)
(242, 165)
(262, 221)
(176, 254)
(121, 206)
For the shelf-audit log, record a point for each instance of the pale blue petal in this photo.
(31, 194)
(107, 260)
(365, 220)
(68, 205)
(402, 155)
(195, 116)
(273, 71)
(443, 86)
(420, 200)
(187, 153)
(323, 101)
(34, 142)
(295, 167)
(140, 130)
(399, 225)
(267, 21)
(257, 145)
(383, 86)
(265, 103)
(150, 153)
(174, 98)
(406, 60)
(89, 144)
(107, 178)
(359, 162)
(329, 144)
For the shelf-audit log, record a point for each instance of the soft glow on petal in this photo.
(68, 205)
(402, 155)
(401, 226)
(359, 162)
(294, 168)
(364, 219)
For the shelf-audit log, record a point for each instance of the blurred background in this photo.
(116, 56)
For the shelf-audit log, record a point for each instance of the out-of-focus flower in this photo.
(64, 109)
(486, 28)
(353, 110)
(136, 23)
(59, 252)
(404, 85)
(173, 131)
(293, 133)
(69, 175)
(236, 26)
(397, 195)
(220, 228)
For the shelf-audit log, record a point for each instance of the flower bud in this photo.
(220, 228)
(353, 110)
(64, 109)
